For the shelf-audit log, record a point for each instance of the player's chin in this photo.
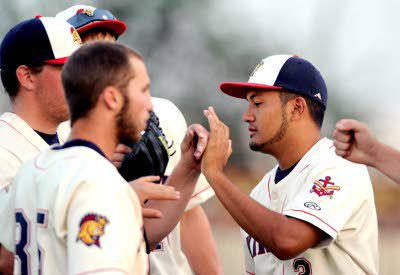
(254, 146)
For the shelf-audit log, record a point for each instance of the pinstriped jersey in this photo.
(332, 194)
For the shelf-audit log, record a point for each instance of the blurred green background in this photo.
(191, 46)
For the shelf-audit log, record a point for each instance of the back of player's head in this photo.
(34, 43)
(91, 69)
(88, 19)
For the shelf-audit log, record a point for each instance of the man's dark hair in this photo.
(317, 112)
(10, 80)
(103, 31)
(92, 68)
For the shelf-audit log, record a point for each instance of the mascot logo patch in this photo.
(85, 11)
(75, 36)
(257, 67)
(324, 187)
(92, 229)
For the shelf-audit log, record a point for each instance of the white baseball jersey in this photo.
(75, 214)
(18, 143)
(332, 194)
(168, 258)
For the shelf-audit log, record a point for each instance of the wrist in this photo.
(375, 154)
(188, 169)
(213, 175)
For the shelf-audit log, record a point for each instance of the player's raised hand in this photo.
(354, 141)
(193, 146)
(147, 190)
(120, 152)
(219, 146)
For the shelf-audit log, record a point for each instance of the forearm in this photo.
(284, 237)
(6, 261)
(387, 160)
(198, 243)
(183, 180)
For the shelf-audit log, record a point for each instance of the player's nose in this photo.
(248, 116)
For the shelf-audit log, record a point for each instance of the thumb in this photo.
(187, 140)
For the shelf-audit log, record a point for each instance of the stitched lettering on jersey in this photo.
(324, 187)
(254, 247)
(91, 229)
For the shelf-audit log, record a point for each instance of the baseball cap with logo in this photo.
(85, 18)
(282, 72)
(38, 41)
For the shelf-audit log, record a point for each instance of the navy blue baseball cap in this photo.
(85, 18)
(282, 72)
(38, 41)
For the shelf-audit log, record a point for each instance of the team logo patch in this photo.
(312, 205)
(324, 187)
(257, 67)
(75, 36)
(85, 11)
(91, 229)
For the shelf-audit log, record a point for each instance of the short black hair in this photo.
(92, 68)
(316, 110)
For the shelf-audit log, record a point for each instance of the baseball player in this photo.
(31, 57)
(168, 258)
(85, 218)
(314, 213)
(355, 142)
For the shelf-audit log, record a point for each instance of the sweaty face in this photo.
(267, 119)
(135, 113)
(51, 93)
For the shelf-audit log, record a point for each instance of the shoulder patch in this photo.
(91, 229)
(324, 187)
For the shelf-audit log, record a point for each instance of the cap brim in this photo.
(58, 61)
(239, 89)
(116, 26)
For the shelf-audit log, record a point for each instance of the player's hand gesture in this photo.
(354, 141)
(146, 189)
(219, 146)
(193, 146)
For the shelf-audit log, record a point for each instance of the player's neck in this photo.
(100, 133)
(34, 115)
(294, 147)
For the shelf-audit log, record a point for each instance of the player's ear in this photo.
(25, 77)
(112, 98)
(298, 107)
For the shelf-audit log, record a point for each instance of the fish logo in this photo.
(91, 229)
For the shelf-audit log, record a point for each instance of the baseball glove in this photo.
(149, 156)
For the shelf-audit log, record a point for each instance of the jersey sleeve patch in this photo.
(91, 229)
(324, 187)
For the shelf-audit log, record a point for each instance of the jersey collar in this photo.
(80, 142)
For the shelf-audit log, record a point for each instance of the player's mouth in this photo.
(252, 130)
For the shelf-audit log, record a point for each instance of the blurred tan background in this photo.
(191, 46)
